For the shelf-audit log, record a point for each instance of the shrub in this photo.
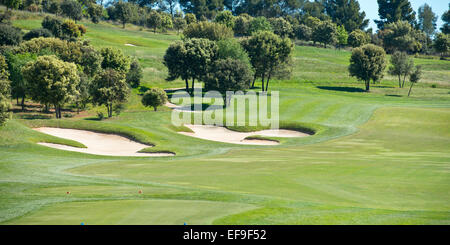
(259, 24)
(226, 18)
(209, 30)
(72, 9)
(134, 76)
(10, 35)
(357, 38)
(303, 32)
(154, 97)
(39, 32)
(281, 27)
(53, 25)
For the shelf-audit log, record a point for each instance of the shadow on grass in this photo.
(33, 116)
(342, 89)
(394, 95)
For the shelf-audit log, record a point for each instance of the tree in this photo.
(391, 11)
(109, 88)
(11, 4)
(202, 8)
(51, 81)
(72, 9)
(232, 49)
(281, 27)
(115, 59)
(19, 85)
(190, 18)
(242, 24)
(5, 91)
(39, 32)
(414, 77)
(71, 30)
(168, 6)
(225, 18)
(10, 35)
(259, 24)
(209, 30)
(325, 33)
(166, 22)
(303, 32)
(367, 63)
(358, 38)
(446, 19)
(401, 66)
(228, 75)
(95, 12)
(341, 36)
(400, 36)
(124, 12)
(427, 19)
(267, 51)
(179, 24)
(154, 97)
(442, 44)
(346, 13)
(134, 76)
(54, 25)
(154, 20)
(188, 59)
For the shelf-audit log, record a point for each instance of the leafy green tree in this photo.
(367, 63)
(346, 13)
(124, 12)
(154, 97)
(228, 75)
(188, 59)
(52, 81)
(446, 19)
(19, 85)
(11, 4)
(341, 36)
(166, 22)
(281, 27)
(115, 59)
(242, 24)
(109, 88)
(427, 19)
(259, 24)
(95, 12)
(39, 32)
(325, 33)
(400, 36)
(90, 61)
(72, 30)
(225, 18)
(312, 22)
(54, 25)
(190, 18)
(135, 74)
(358, 38)
(179, 24)
(401, 66)
(5, 105)
(72, 9)
(442, 44)
(154, 20)
(10, 35)
(267, 51)
(168, 6)
(391, 11)
(414, 77)
(303, 32)
(201, 8)
(209, 30)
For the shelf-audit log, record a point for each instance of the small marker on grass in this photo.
(140, 191)
(68, 192)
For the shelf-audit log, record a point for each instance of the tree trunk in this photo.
(404, 79)
(23, 103)
(410, 89)
(367, 86)
(399, 81)
(187, 85)
(155, 108)
(123, 24)
(192, 86)
(267, 82)
(254, 79)
(17, 100)
(56, 111)
(262, 82)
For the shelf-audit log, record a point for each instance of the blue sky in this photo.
(371, 9)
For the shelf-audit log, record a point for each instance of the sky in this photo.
(371, 9)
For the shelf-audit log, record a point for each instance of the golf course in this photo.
(378, 157)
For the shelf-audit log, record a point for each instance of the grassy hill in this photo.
(378, 158)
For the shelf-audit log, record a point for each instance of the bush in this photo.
(134, 76)
(209, 30)
(40, 32)
(303, 32)
(358, 38)
(154, 97)
(281, 27)
(259, 24)
(53, 25)
(10, 35)
(72, 9)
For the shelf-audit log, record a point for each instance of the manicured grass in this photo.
(375, 158)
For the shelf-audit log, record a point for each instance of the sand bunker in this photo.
(129, 44)
(98, 143)
(222, 134)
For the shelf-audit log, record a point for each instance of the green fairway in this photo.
(376, 158)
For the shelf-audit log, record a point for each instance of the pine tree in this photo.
(394, 10)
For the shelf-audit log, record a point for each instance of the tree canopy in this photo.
(367, 63)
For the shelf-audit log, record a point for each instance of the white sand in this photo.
(222, 134)
(129, 44)
(98, 143)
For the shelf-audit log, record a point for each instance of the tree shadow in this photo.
(33, 116)
(342, 89)
(394, 95)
